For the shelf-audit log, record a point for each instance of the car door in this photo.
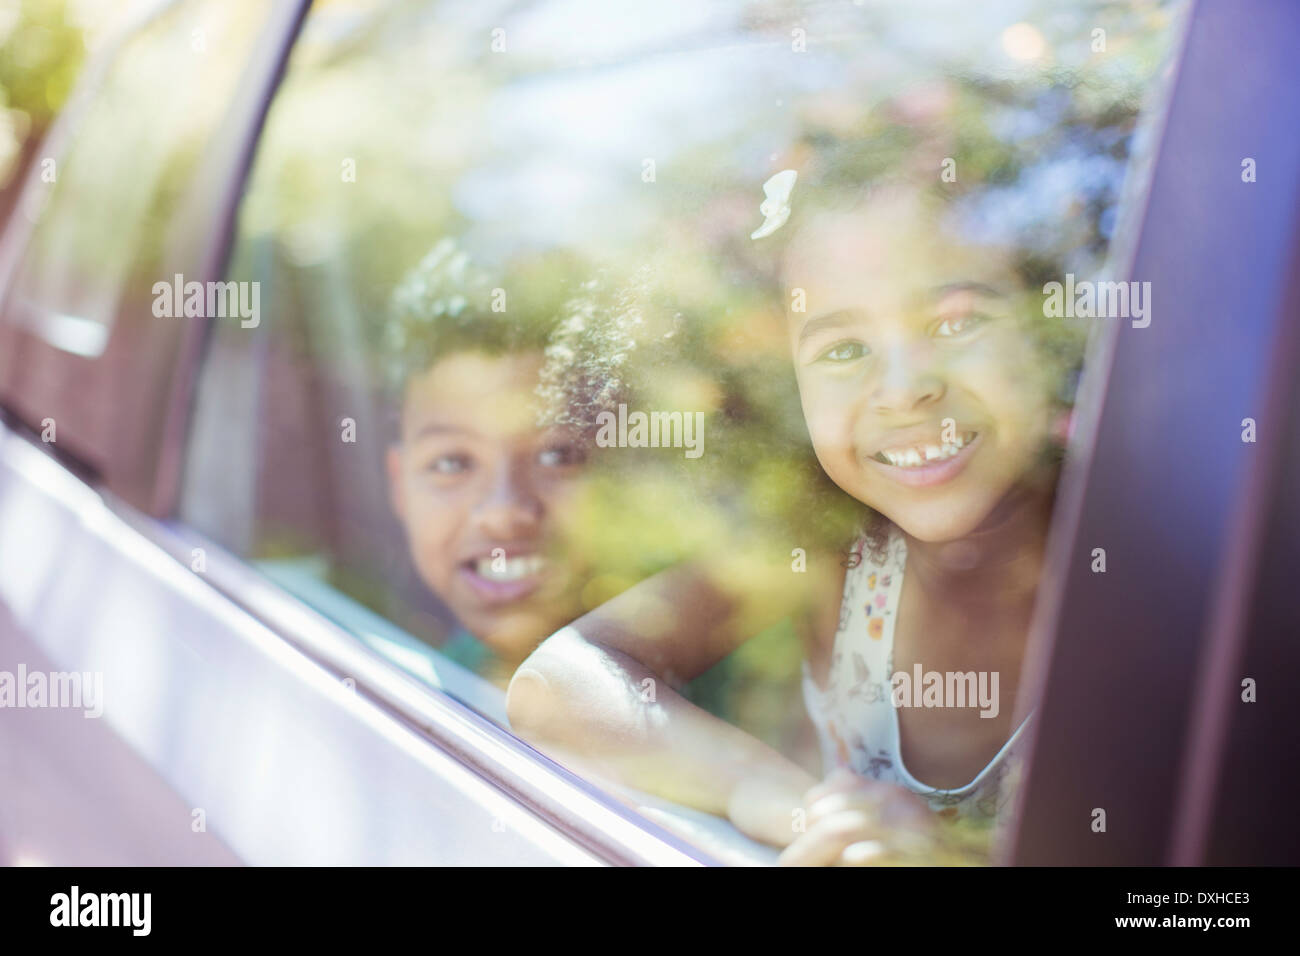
(1188, 445)
(184, 516)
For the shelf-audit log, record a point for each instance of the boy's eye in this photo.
(561, 456)
(448, 465)
(842, 352)
(959, 324)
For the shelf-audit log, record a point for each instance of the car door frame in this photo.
(1135, 670)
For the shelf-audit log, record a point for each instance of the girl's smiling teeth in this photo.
(921, 454)
(510, 569)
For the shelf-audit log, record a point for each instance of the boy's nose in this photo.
(908, 379)
(509, 506)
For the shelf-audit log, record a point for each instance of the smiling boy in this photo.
(482, 490)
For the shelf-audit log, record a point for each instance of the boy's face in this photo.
(907, 331)
(482, 492)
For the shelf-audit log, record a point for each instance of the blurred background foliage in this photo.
(107, 214)
(43, 46)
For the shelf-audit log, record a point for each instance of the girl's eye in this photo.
(561, 456)
(843, 352)
(448, 465)
(958, 325)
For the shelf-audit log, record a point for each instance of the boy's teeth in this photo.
(511, 569)
(918, 455)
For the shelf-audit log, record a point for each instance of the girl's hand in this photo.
(852, 821)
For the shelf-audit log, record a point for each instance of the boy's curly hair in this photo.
(631, 339)
(449, 303)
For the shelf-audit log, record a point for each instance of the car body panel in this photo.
(282, 756)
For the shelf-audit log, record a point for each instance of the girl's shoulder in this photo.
(840, 578)
(824, 595)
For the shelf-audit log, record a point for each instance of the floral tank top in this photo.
(856, 721)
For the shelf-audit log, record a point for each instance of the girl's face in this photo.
(922, 393)
(484, 493)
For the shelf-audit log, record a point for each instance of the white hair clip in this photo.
(776, 207)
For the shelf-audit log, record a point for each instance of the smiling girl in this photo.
(930, 399)
(926, 400)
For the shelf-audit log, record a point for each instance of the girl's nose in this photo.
(909, 379)
(510, 507)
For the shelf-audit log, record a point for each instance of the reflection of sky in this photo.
(943, 29)
(612, 85)
(566, 151)
(600, 29)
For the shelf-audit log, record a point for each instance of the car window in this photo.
(557, 297)
(123, 209)
(70, 284)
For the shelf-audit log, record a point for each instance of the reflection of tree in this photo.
(41, 52)
(530, 162)
(106, 230)
(1041, 158)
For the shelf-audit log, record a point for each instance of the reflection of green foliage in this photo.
(682, 312)
(350, 168)
(40, 59)
(40, 56)
(1041, 160)
(124, 199)
(758, 688)
(658, 341)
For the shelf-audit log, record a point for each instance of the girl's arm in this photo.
(599, 689)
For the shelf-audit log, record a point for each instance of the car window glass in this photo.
(559, 296)
(103, 222)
